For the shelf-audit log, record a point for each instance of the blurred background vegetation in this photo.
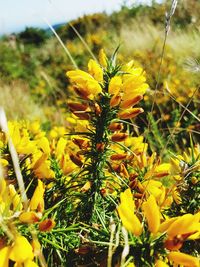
(33, 63)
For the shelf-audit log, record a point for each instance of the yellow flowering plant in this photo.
(108, 93)
(155, 240)
(95, 186)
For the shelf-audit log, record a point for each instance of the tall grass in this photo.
(16, 99)
(144, 36)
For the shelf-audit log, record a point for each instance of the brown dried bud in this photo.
(103, 192)
(100, 147)
(138, 195)
(115, 126)
(82, 115)
(119, 137)
(118, 156)
(124, 170)
(47, 225)
(82, 93)
(81, 143)
(173, 244)
(77, 106)
(76, 159)
(97, 109)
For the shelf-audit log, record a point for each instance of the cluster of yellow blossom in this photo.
(144, 174)
(21, 252)
(97, 156)
(35, 151)
(125, 89)
(176, 229)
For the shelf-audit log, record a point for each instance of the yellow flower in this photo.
(34, 127)
(131, 264)
(21, 250)
(136, 144)
(127, 68)
(130, 113)
(21, 139)
(176, 195)
(30, 263)
(155, 188)
(160, 263)
(42, 166)
(37, 200)
(43, 144)
(57, 132)
(66, 164)
(60, 148)
(166, 224)
(183, 259)
(175, 165)
(126, 213)
(102, 58)
(130, 102)
(162, 170)
(115, 101)
(134, 84)
(2, 187)
(115, 85)
(29, 217)
(15, 198)
(152, 214)
(185, 224)
(87, 86)
(4, 256)
(3, 162)
(95, 70)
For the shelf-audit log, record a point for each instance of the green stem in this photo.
(98, 153)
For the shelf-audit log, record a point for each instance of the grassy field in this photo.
(99, 141)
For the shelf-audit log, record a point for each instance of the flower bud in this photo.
(97, 109)
(47, 225)
(115, 126)
(82, 115)
(119, 137)
(77, 106)
(118, 156)
(131, 102)
(115, 100)
(130, 113)
(76, 159)
(81, 143)
(100, 147)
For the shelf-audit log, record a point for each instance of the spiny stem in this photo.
(98, 156)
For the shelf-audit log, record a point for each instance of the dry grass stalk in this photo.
(14, 156)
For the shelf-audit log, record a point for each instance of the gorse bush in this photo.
(93, 189)
(107, 171)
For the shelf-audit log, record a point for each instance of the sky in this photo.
(15, 15)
